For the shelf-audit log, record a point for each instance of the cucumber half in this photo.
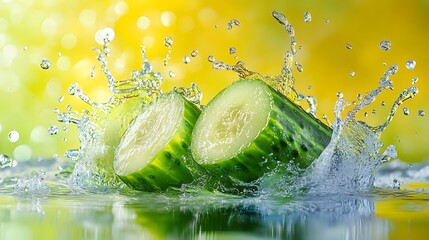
(153, 154)
(248, 128)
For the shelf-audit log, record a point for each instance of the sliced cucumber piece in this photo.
(154, 151)
(248, 128)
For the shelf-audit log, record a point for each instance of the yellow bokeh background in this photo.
(64, 32)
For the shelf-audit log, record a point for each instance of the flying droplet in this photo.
(349, 46)
(53, 130)
(307, 17)
(339, 94)
(352, 74)
(186, 59)
(385, 45)
(414, 80)
(406, 111)
(61, 98)
(211, 58)
(13, 136)
(6, 161)
(232, 23)
(327, 20)
(194, 53)
(359, 96)
(168, 41)
(69, 107)
(65, 128)
(373, 111)
(171, 74)
(299, 67)
(45, 64)
(411, 64)
(365, 114)
(421, 113)
(232, 50)
(383, 103)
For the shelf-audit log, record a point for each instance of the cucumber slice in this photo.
(154, 151)
(248, 128)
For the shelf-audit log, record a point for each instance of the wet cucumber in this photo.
(153, 154)
(248, 128)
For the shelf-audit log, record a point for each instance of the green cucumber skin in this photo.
(291, 135)
(170, 167)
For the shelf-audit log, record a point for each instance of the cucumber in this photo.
(249, 128)
(153, 154)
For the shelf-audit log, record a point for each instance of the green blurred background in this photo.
(64, 32)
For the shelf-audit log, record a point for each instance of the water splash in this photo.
(101, 127)
(283, 83)
(350, 160)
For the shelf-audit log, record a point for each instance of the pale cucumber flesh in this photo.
(248, 128)
(153, 152)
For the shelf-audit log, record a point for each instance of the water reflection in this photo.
(188, 216)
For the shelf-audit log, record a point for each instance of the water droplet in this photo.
(56, 110)
(61, 98)
(59, 54)
(299, 67)
(392, 70)
(232, 50)
(6, 161)
(194, 53)
(352, 74)
(92, 74)
(340, 95)
(64, 139)
(25, 48)
(307, 17)
(171, 74)
(168, 41)
(69, 107)
(365, 114)
(65, 128)
(327, 20)
(411, 64)
(232, 23)
(300, 47)
(383, 103)
(72, 89)
(349, 46)
(414, 80)
(53, 130)
(359, 96)
(45, 64)
(396, 184)
(211, 58)
(13, 136)
(421, 113)
(373, 111)
(186, 59)
(406, 111)
(73, 154)
(385, 45)
(280, 17)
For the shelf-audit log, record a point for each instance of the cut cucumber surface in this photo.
(154, 151)
(248, 128)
